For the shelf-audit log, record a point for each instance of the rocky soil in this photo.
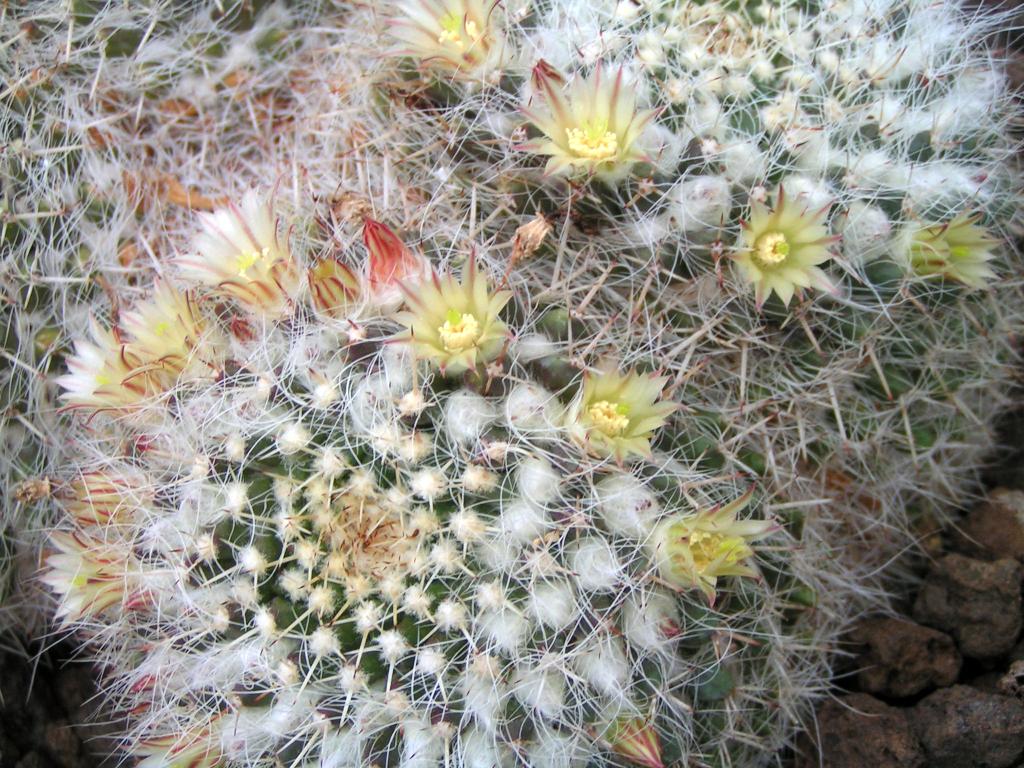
(943, 685)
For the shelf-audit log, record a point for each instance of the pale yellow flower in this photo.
(593, 131)
(239, 253)
(694, 551)
(616, 414)
(463, 38)
(194, 748)
(959, 249)
(455, 325)
(103, 373)
(98, 498)
(781, 246)
(162, 339)
(90, 577)
(165, 331)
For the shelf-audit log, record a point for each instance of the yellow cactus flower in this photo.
(102, 374)
(160, 342)
(96, 498)
(694, 551)
(781, 246)
(463, 38)
(616, 414)
(454, 325)
(165, 329)
(239, 253)
(959, 249)
(90, 577)
(592, 132)
(333, 288)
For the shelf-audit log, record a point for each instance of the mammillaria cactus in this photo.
(325, 539)
(697, 312)
(802, 192)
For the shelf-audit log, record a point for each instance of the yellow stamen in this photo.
(452, 28)
(608, 418)
(592, 144)
(459, 332)
(706, 548)
(770, 249)
(247, 259)
(447, 36)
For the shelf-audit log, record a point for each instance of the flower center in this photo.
(459, 332)
(609, 418)
(593, 142)
(960, 252)
(706, 548)
(247, 259)
(771, 249)
(452, 28)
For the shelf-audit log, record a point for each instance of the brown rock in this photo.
(977, 602)
(1017, 652)
(987, 682)
(900, 658)
(859, 730)
(995, 528)
(961, 726)
(1012, 683)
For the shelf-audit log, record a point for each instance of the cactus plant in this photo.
(667, 254)
(321, 538)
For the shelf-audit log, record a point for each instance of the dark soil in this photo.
(46, 705)
(942, 686)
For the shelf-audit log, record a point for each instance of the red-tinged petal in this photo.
(637, 741)
(390, 260)
(613, 105)
(143, 683)
(547, 80)
(542, 71)
(670, 629)
(138, 601)
(333, 287)
(242, 329)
